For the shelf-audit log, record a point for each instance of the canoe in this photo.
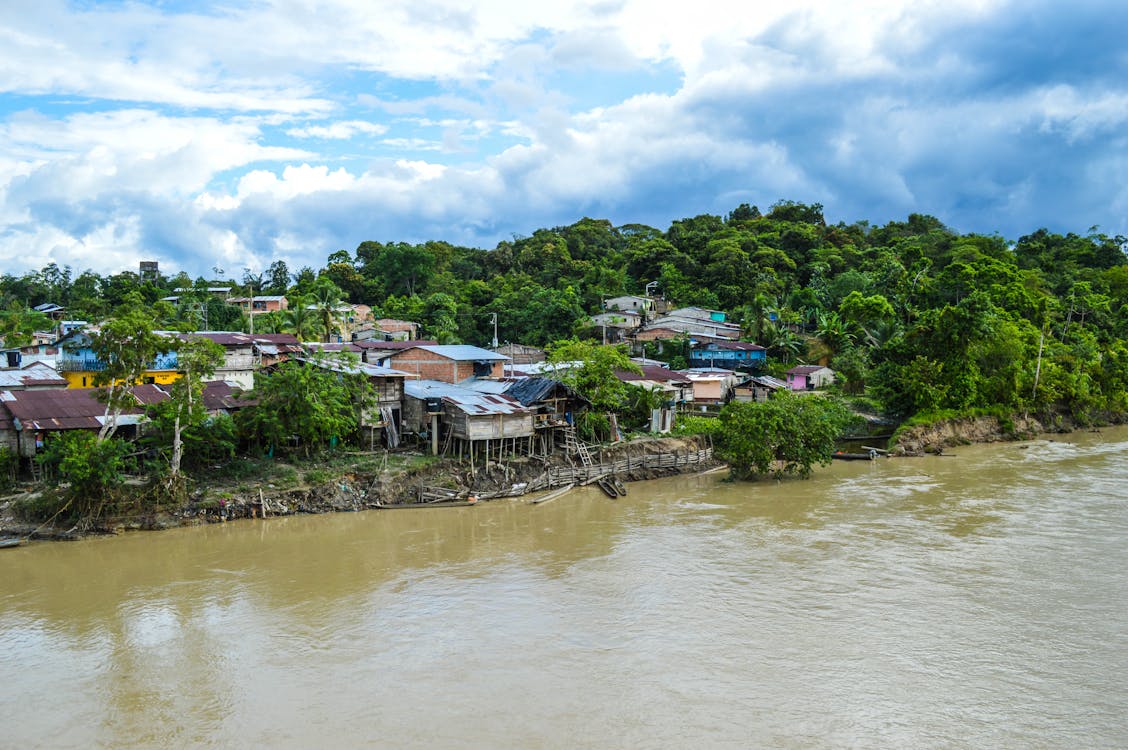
(552, 495)
(608, 487)
(14, 541)
(439, 504)
(620, 487)
(853, 456)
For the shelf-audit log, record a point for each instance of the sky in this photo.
(215, 137)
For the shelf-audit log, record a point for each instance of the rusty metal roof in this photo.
(70, 408)
(465, 400)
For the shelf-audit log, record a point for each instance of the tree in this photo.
(126, 347)
(327, 301)
(298, 318)
(315, 402)
(277, 278)
(786, 435)
(197, 358)
(19, 322)
(90, 466)
(595, 377)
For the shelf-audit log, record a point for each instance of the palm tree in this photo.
(781, 342)
(326, 301)
(833, 332)
(298, 318)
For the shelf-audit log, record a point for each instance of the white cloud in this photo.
(338, 130)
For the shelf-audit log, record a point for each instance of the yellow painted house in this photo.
(78, 364)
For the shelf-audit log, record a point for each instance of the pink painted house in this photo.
(809, 377)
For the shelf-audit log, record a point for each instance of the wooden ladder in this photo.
(576, 447)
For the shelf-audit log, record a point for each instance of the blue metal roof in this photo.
(465, 353)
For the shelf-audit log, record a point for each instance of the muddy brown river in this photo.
(977, 600)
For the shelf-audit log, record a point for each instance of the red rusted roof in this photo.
(70, 408)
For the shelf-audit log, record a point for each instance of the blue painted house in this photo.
(731, 355)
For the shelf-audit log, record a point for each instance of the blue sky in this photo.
(231, 134)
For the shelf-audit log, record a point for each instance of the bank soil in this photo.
(361, 490)
(935, 437)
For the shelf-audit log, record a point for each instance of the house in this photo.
(809, 377)
(244, 353)
(36, 376)
(694, 327)
(448, 363)
(78, 363)
(378, 351)
(28, 419)
(759, 388)
(222, 397)
(51, 310)
(614, 326)
(676, 389)
(391, 329)
(728, 354)
(711, 385)
(641, 306)
(388, 387)
(700, 314)
(521, 354)
(45, 353)
(460, 420)
(261, 304)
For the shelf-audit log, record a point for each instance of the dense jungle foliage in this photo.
(913, 315)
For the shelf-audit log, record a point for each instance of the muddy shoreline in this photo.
(356, 491)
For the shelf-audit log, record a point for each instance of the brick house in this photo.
(448, 363)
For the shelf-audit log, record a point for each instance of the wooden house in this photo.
(732, 355)
(759, 388)
(464, 422)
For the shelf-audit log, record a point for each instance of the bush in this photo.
(90, 466)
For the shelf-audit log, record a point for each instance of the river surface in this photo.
(978, 600)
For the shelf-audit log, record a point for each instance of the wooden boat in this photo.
(552, 495)
(608, 486)
(13, 541)
(436, 504)
(620, 486)
(854, 456)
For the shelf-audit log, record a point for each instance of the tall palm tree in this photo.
(299, 318)
(326, 301)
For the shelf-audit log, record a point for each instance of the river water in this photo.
(977, 600)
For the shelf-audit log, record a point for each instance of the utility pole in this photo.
(495, 329)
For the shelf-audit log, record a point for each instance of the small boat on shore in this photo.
(12, 541)
(608, 486)
(416, 506)
(552, 495)
(868, 456)
(620, 486)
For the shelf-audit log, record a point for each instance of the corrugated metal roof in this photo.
(35, 374)
(531, 390)
(70, 408)
(466, 400)
(378, 344)
(659, 374)
(465, 353)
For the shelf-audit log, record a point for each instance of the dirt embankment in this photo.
(935, 437)
(354, 491)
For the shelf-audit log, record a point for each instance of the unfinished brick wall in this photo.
(431, 366)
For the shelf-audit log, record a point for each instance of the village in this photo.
(472, 405)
